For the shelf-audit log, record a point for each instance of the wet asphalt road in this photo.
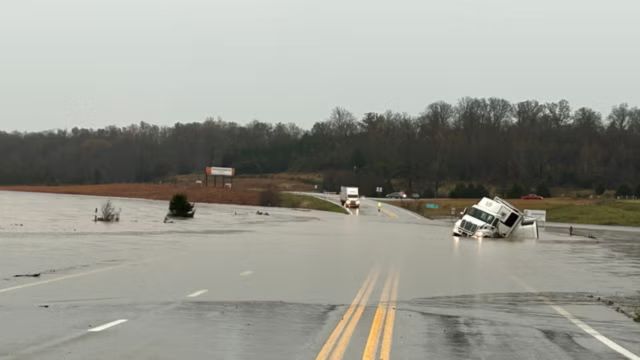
(231, 284)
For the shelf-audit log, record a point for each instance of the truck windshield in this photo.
(481, 215)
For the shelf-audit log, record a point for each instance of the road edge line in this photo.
(580, 324)
(66, 277)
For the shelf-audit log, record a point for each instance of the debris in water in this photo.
(28, 275)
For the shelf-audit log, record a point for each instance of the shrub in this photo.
(428, 193)
(600, 189)
(270, 197)
(515, 191)
(543, 190)
(458, 192)
(468, 191)
(108, 213)
(481, 191)
(180, 206)
(624, 190)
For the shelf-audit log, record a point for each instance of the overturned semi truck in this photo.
(495, 218)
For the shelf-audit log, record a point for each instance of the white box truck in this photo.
(349, 197)
(493, 218)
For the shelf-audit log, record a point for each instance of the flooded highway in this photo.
(232, 284)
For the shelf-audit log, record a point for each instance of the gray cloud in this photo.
(86, 63)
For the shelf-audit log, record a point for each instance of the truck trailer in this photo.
(349, 197)
(493, 218)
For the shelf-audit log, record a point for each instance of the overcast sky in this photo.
(85, 63)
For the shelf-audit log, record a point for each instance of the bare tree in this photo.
(619, 117)
(108, 213)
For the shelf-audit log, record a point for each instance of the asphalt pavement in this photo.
(232, 284)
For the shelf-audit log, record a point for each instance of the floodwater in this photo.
(233, 284)
(30, 213)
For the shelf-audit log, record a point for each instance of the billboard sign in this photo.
(220, 171)
(540, 215)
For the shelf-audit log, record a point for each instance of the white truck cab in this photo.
(489, 218)
(349, 197)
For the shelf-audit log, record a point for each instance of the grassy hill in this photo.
(570, 210)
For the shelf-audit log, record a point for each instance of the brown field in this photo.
(245, 190)
(282, 182)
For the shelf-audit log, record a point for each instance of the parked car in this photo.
(531, 197)
(415, 196)
(396, 195)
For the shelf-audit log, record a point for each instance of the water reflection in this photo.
(458, 240)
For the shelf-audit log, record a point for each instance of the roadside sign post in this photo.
(223, 172)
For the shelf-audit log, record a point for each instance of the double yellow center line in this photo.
(338, 341)
(383, 320)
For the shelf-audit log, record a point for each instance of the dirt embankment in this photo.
(245, 191)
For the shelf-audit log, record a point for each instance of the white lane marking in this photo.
(197, 293)
(582, 325)
(593, 332)
(246, 273)
(24, 286)
(107, 325)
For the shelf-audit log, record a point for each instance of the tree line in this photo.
(477, 140)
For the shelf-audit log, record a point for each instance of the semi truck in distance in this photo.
(349, 197)
(494, 218)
